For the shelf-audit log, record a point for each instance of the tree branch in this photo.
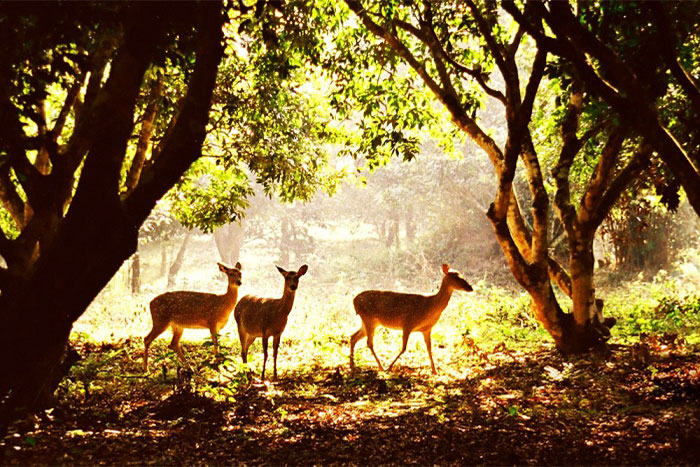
(667, 42)
(559, 276)
(149, 116)
(449, 100)
(599, 179)
(564, 23)
(114, 111)
(639, 162)
(569, 148)
(49, 150)
(430, 39)
(184, 145)
(562, 48)
(497, 50)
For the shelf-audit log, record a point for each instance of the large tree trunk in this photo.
(38, 316)
(99, 231)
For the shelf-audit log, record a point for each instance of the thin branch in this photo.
(449, 100)
(497, 50)
(513, 255)
(559, 276)
(48, 152)
(430, 39)
(68, 104)
(639, 162)
(563, 49)
(593, 131)
(512, 48)
(599, 179)
(667, 42)
(536, 75)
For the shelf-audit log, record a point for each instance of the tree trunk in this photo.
(177, 264)
(135, 274)
(38, 315)
(163, 258)
(229, 240)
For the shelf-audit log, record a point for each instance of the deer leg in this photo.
(175, 343)
(157, 330)
(244, 344)
(353, 340)
(264, 344)
(370, 343)
(406, 333)
(428, 345)
(275, 345)
(215, 339)
(246, 341)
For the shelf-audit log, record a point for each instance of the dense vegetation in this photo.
(549, 153)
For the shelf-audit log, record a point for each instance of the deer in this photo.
(267, 317)
(404, 311)
(184, 309)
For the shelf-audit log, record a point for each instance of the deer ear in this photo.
(445, 268)
(238, 266)
(222, 268)
(302, 270)
(282, 271)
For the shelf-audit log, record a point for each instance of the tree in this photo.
(77, 180)
(61, 181)
(632, 56)
(457, 51)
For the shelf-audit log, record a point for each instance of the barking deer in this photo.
(183, 309)
(407, 312)
(265, 317)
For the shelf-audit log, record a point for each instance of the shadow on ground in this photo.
(631, 407)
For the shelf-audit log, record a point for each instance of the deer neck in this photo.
(287, 301)
(231, 295)
(440, 300)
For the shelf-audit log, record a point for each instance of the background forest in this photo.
(547, 151)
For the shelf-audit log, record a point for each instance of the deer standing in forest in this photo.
(407, 312)
(184, 309)
(266, 317)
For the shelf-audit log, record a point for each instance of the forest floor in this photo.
(639, 405)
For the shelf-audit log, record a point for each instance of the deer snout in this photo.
(293, 287)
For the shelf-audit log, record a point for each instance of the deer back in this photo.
(393, 309)
(191, 309)
(255, 315)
